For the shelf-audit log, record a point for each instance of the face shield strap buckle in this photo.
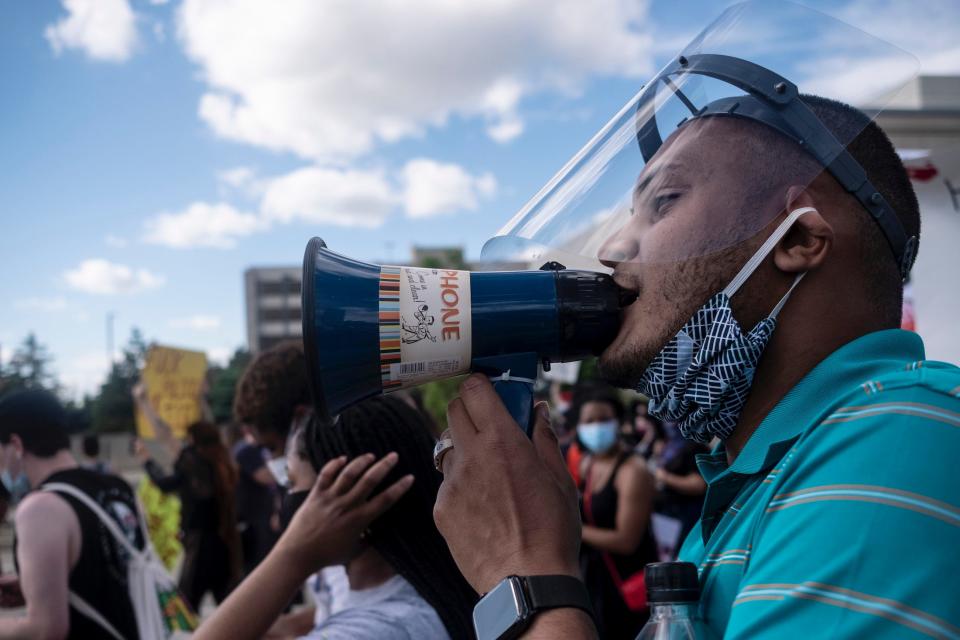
(775, 102)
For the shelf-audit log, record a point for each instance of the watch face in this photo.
(498, 611)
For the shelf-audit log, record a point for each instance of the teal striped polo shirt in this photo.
(841, 516)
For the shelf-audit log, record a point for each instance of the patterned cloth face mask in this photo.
(702, 377)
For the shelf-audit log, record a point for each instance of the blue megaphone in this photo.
(370, 329)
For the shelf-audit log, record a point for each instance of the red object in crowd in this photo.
(923, 174)
(574, 456)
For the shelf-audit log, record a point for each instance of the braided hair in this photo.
(406, 535)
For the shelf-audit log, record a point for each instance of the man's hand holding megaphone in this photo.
(507, 505)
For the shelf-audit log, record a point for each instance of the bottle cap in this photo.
(672, 582)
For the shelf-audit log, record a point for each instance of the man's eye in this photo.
(663, 202)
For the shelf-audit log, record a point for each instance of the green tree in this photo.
(112, 409)
(437, 395)
(30, 367)
(79, 415)
(223, 385)
(446, 259)
(588, 370)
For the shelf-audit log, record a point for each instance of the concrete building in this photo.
(273, 306)
(923, 120)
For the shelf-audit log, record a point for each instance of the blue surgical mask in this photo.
(598, 437)
(701, 378)
(17, 487)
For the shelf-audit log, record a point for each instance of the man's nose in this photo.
(619, 247)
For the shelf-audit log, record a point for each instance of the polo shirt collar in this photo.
(847, 367)
(841, 371)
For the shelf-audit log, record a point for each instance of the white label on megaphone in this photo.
(425, 325)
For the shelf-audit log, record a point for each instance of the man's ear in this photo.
(17, 445)
(810, 239)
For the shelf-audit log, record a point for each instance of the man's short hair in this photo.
(779, 162)
(38, 418)
(274, 385)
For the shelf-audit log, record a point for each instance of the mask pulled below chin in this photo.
(702, 377)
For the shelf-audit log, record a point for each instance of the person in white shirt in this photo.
(328, 587)
(404, 584)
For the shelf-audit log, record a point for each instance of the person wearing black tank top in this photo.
(61, 547)
(617, 501)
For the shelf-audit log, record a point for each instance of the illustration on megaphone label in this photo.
(425, 325)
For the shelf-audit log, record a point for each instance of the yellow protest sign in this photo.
(174, 378)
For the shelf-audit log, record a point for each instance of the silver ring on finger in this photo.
(444, 444)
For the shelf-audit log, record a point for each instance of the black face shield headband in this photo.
(774, 101)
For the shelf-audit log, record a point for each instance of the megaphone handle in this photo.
(518, 397)
(513, 377)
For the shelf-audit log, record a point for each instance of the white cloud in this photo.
(237, 177)
(867, 72)
(103, 29)
(331, 80)
(201, 224)
(929, 32)
(83, 374)
(196, 323)
(220, 355)
(240, 180)
(346, 198)
(49, 305)
(6, 352)
(432, 188)
(343, 197)
(506, 130)
(102, 277)
(502, 99)
(115, 241)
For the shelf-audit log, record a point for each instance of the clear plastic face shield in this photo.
(684, 170)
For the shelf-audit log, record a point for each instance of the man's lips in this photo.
(629, 288)
(625, 279)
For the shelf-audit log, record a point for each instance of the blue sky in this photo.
(153, 150)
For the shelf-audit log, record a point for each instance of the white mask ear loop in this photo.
(786, 296)
(762, 252)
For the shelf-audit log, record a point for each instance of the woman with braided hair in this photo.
(403, 581)
(405, 538)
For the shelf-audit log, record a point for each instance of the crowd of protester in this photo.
(640, 492)
(366, 572)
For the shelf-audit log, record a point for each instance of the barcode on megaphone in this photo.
(418, 371)
(408, 368)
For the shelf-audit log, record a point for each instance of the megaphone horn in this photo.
(371, 329)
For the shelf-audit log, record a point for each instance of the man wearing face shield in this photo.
(767, 237)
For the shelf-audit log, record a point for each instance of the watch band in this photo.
(553, 592)
(507, 610)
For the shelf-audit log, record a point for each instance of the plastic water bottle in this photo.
(673, 594)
